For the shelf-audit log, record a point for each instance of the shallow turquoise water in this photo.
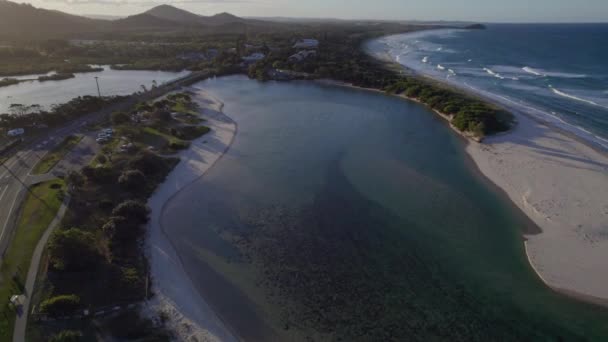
(371, 203)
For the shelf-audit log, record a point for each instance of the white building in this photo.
(302, 55)
(254, 57)
(15, 132)
(307, 44)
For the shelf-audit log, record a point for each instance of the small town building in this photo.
(306, 44)
(254, 57)
(15, 132)
(192, 56)
(301, 56)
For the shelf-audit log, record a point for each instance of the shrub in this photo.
(66, 336)
(72, 250)
(133, 180)
(60, 305)
(178, 145)
(121, 231)
(149, 164)
(119, 118)
(100, 175)
(75, 179)
(134, 211)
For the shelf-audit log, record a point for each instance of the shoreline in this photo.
(188, 315)
(556, 179)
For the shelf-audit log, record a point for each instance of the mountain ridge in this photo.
(27, 21)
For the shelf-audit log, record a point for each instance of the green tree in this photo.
(72, 250)
(119, 118)
(67, 336)
(133, 180)
(60, 305)
(134, 211)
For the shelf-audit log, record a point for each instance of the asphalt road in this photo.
(12, 191)
(15, 172)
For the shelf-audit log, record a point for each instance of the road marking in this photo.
(3, 192)
(8, 216)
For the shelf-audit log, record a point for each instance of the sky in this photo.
(464, 10)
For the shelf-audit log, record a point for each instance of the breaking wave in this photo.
(495, 74)
(573, 97)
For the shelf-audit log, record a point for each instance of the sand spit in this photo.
(187, 313)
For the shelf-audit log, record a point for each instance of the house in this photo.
(302, 55)
(306, 44)
(212, 53)
(254, 57)
(192, 56)
(15, 132)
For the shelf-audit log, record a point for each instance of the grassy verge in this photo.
(54, 156)
(34, 218)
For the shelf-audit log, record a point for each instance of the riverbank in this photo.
(175, 297)
(561, 183)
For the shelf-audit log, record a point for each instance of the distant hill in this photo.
(171, 13)
(179, 15)
(25, 20)
(144, 21)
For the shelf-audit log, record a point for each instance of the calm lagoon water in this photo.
(352, 214)
(111, 82)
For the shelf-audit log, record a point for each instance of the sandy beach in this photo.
(558, 181)
(562, 185)
(189, 316)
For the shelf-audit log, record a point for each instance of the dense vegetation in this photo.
(55, 77)
(97, 255)
(8, 81)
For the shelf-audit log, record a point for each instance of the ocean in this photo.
(555, 72)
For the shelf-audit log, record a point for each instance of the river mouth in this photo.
(345, 214)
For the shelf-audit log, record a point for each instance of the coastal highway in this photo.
(15, 174)
(12, 189)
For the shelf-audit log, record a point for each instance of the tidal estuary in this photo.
(342, 214)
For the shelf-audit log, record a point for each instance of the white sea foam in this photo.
(495, 74)
(440, 67)
(573, 97)
(556, 74)
(425, 60)
(532, 71)
(452, 72)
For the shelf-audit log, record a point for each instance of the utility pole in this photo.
(97, 82)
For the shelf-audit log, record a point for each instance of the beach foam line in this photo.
(495, 74)
(532, 71)
(573, 97)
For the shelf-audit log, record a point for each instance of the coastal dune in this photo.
(187, 313)
(562, 185)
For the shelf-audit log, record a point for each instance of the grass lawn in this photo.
(56, 154)
(33, 220)
(160, 140)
